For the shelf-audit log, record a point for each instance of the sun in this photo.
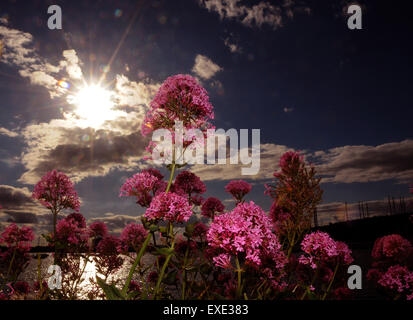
(94, 105)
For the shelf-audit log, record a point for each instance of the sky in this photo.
(292, 69)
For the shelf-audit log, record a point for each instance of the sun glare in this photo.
(94, 105)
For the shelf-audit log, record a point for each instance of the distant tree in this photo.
(56, 192)
(296, 193)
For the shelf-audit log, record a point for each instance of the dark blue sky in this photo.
(342, 97)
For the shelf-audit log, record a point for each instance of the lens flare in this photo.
(63, 84)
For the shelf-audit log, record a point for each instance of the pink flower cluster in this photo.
(142, 184)
(133, 235)
(18, 243)
(211, 207)
(238, 189)
(71, 232)
(169, 206)
(55, 191)
(399, 279)
(392, 249)
(392, 257)
(245, 231)
(15, 237)
(108, 259)
(180, 97)
(98, 229)
(289, 160)
(279, 217)
(320, 248)
(189, 183)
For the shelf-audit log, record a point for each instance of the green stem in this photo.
(158, 283)
(171, 177)
(312, 282)
(10, 265)
(331, 283)
(239, 277)
(184, 272)
(135, 264)
(77, 281)
(290, 249)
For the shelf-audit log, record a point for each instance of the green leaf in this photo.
(111, 292)
(164, 251)
(153, 228)
(190, 268)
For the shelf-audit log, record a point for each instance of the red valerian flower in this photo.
(169, 206)
(181, 98)
(392, 249)
(72, 233)
(211, 207)
(133, 236)
(98, 229)
(238, 189)
(142, 184)
(344, 254)
(15, 237)
(399, 279)
(17, 242)
(55, 191)
(189, 183)
(245, 231)
(78, 218)
(108, 259)
(318, 247)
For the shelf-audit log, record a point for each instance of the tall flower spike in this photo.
(180, 98)
(55, 190)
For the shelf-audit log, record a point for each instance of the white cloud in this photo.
(4, 20)
(234, 48)
(8, 133)
(269, 158)
(361, 163)
(256, 15)
(205, 67)
(131, 93)
(71, 64)
(347, 164)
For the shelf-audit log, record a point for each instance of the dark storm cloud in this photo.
(96, 155)
(17, 206)
(21, 217)
(79, 152)
(11, 197)
(368, 163)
